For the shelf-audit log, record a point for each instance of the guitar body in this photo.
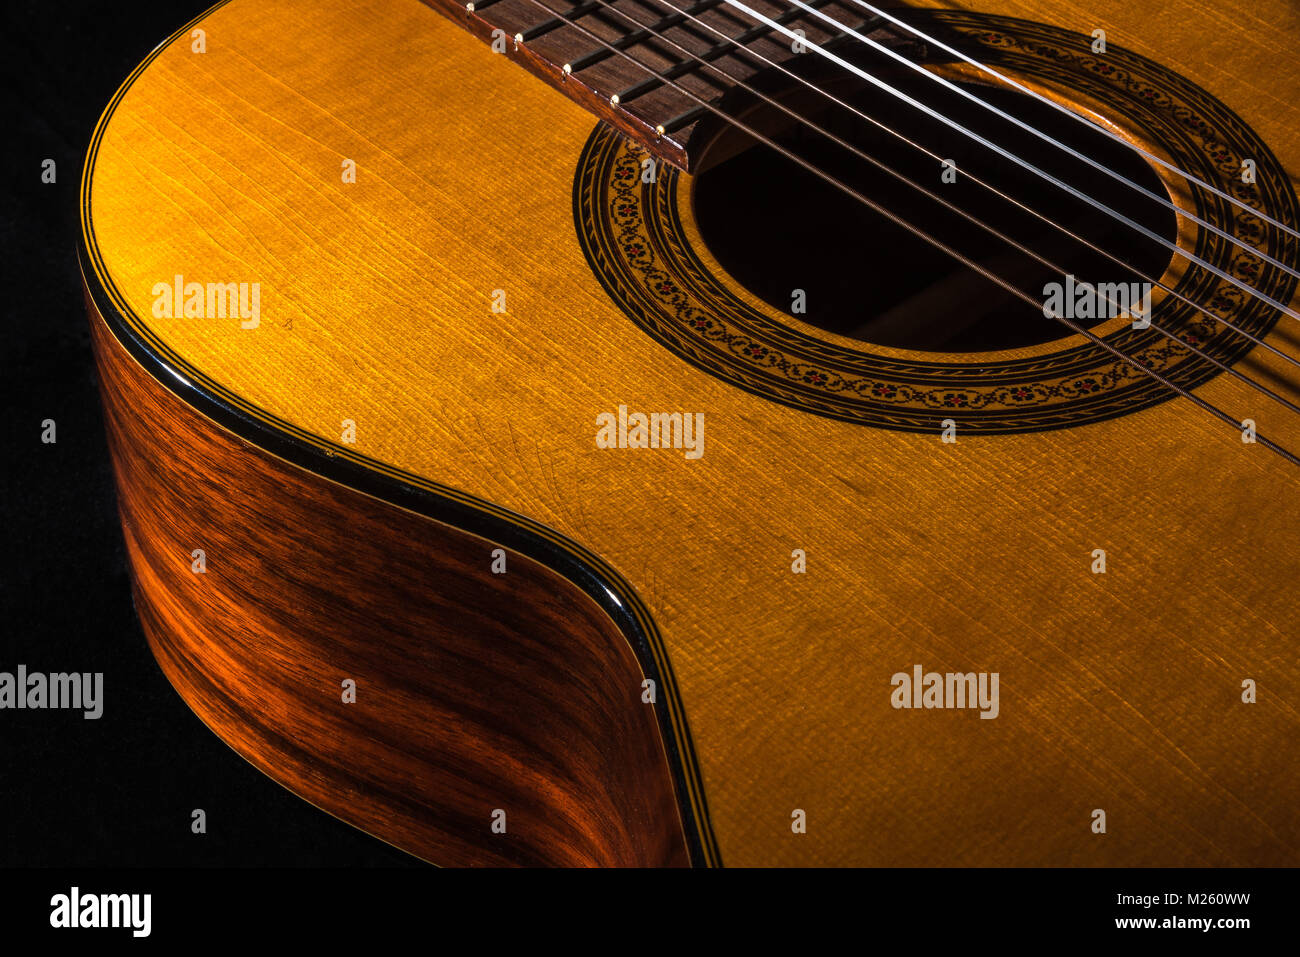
(379, 547)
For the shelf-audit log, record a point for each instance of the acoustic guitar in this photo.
(700, 432)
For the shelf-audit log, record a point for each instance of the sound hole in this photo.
(795, 240)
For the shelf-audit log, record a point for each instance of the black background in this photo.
(118, 790)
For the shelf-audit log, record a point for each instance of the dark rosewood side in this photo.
(474, 692)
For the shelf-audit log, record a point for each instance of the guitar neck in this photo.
(648, 68)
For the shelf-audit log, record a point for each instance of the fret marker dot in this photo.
(613, 100)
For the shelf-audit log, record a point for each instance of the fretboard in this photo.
(652, 85)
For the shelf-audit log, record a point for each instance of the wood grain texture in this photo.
(1119, 691)
(474, 691)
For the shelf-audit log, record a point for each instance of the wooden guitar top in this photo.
(377, 344)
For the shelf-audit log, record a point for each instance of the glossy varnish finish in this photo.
(1119, 691)
(474, 692)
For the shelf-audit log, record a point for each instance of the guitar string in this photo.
(1107, 210)
(983, 141)
(1027, 127)
(1080, 118)
(1257, 386)
(1253, 384)
(920, 233)
(1286, 357)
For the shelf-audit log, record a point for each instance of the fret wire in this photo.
(574, 13)
(692, 26)
(684, 119)
(715, 52)
(638, 36)
(655, 82)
